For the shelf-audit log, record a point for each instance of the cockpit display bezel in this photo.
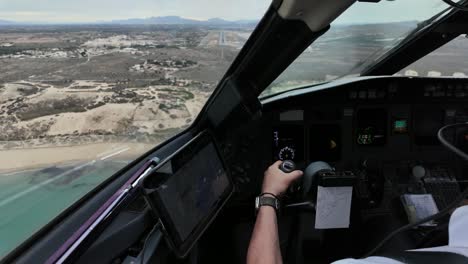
(160, 176)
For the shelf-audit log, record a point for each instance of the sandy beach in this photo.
(24, 159)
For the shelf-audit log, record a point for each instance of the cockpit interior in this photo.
(376, 132)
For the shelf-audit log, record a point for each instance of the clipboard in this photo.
(334, 197)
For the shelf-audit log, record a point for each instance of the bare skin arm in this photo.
(264, 245)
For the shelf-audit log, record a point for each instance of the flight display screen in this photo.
(288, 142)
(371, 127)
(190, 189)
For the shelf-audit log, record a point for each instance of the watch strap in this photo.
(267, 201)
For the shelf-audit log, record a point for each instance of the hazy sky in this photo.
(99, 10)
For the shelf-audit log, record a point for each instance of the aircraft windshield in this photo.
(360, 35)
(448, 60)
(88, 86)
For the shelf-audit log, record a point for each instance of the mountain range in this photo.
(6, 22)
(160, 20)
(177, 20)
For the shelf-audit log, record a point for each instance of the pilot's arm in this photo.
(264, 245)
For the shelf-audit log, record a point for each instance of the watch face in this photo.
(257, 203)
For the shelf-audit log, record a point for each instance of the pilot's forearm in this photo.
(264, 245)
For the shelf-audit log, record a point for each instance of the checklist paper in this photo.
(419, 206)
(333, 208)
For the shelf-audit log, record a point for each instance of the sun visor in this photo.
(317, 14)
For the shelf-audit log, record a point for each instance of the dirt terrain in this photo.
(65, 86)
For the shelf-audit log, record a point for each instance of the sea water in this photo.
(30, 199)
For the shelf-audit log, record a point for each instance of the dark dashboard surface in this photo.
(383, 126)
(380, 117)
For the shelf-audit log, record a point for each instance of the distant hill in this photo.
(177, 20)
(165, 20)
(6, 22)
(160, 20)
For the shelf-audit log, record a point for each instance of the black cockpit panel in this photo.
(388, 123)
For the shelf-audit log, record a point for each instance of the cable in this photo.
(449, 145)
(442, 213)
(456, 5)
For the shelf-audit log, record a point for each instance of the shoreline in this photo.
(24, 159)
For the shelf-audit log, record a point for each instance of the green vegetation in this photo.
(52, 107)
(180, 94)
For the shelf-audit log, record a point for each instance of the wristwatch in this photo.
(268, 201)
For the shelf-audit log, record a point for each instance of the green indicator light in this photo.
(400, 124)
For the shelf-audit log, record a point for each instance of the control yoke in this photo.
(310, 178)
(309, 181)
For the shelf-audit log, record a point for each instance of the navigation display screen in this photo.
(188, 190)
(193, 190)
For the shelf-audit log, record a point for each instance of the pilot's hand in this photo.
(276, 181)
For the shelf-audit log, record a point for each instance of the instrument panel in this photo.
(288, 142)
(377, 118)
(379, 128)
(382, 130)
